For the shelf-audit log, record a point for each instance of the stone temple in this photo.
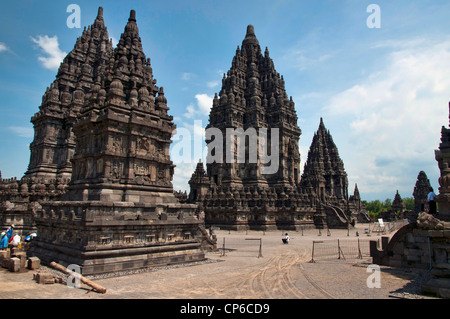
(236, 195)
(104, 124)
(98, 186)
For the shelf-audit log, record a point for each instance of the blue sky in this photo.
(383, 92)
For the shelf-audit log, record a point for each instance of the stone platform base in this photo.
(110, 237)
(119, 259)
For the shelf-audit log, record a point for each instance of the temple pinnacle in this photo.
(132, 16)
(250, 37)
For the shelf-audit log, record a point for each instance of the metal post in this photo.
(223, 247)
(339, 250)
(260, 248)
(312, 256)
(359, 250)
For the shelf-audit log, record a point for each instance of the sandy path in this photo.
(283, 272)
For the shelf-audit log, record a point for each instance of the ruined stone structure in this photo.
(422, 244)
(397, 204)
(238, 194)
(421, 190)
(119, 211)
(425, 242)
(442, 156)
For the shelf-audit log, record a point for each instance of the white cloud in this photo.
(3, 47)
(50, 46)
(21, 131)
(187, 76)
(212, 84)
(204, 104)
(182, 174)
(301, 60)
(394, 117)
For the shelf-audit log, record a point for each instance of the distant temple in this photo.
(421, 190)
(236, 194)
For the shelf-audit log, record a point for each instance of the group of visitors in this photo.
(7, 239)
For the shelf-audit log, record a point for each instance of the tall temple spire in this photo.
(128, 159)
(324, 169)
(52, 149)
(253, 95)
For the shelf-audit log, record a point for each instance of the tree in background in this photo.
(375, 207)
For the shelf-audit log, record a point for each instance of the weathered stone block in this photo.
(398, 248)
(435, 233)
(34, 263)
(14, 264)
(44, 278)
(440, 255)
(439, 287)
(4, 254)
(22, 256)
(395, 263)
(420, 233)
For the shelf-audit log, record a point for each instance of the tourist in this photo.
(5, 237)
(30, 237)
(16, 240)
(3, 241)
(286, 239)
(431, 202)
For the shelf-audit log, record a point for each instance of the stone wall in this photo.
(424, 244)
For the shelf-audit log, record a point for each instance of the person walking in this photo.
(431, 202)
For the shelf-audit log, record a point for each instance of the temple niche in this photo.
(119, 211)
(238, 194)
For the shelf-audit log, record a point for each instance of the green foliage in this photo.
(375, 207)
(409, 202)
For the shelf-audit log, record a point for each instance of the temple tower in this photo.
(53, 145)
(119, 212)
(421, 190)
(324, 174)
(253, 97)
(442, 156)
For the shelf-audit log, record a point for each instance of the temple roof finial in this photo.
(132, 16)
(250, 30)
(250, 37)
(100, 12)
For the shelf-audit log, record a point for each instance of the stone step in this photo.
(441, 273)
(438, 286)
(441, 266)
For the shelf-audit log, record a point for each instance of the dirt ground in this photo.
(282, 272)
